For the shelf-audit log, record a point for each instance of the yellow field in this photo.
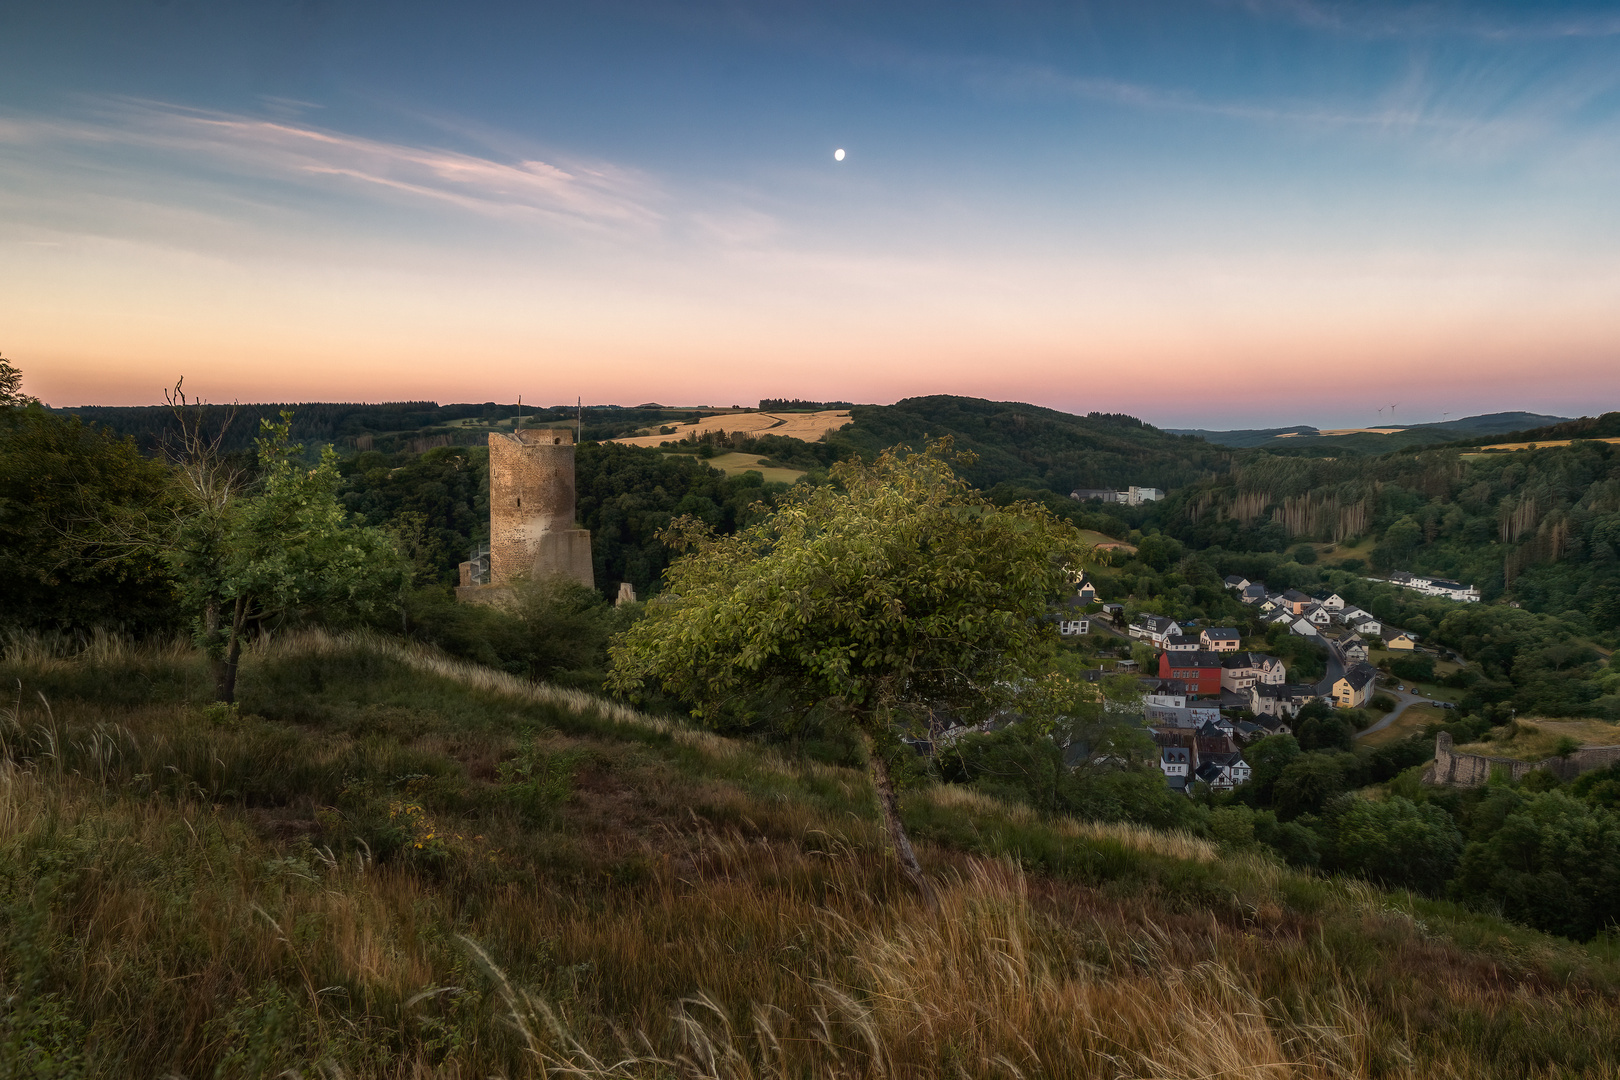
(1535, 740)
(735, 464)
(807, 426)
(1537, 445)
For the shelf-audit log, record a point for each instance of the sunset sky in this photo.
(1211, 214)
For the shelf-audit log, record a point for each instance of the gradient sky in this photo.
(1212, 214)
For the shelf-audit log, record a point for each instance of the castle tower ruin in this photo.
(532, 532)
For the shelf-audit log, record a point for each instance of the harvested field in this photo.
(806, 426)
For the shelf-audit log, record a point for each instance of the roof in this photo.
(1199, 659)
(1360, 676)
(1157, 623)
(1222, 632)
(1233, 579)
(1442, 583)
(1294, 596)
(1389, 633)
(1237, 660)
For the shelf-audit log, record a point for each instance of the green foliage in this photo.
(1033, 446)
(1553, 862)
(60, 478)
(1395, 843)
(11, 395)
(897, 591)
(555, 631)
(1416, 668)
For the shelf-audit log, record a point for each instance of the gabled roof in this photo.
(1222, 632)
(1390, 633)
(1199, 659)
(1294, 596)
(1238, 660)
(1360, 676)
(1233, 581)
(1157, 623)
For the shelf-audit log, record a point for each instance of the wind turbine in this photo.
(1392, 412)
(1380, 416)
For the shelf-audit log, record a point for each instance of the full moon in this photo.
(838, 155)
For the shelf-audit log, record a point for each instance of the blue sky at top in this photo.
(1090, 206)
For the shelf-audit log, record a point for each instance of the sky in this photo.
(1212, 213)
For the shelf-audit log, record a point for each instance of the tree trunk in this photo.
(890, 805)
(225, 672)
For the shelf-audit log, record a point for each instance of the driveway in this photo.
(1404, 698)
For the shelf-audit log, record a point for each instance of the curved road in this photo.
(1405, 699)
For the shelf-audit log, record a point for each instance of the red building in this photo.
(1201, 671)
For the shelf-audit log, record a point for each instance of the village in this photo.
(1209, 697)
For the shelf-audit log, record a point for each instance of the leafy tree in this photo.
(1553, 863)
(240, 554)
(11, 395)
(1396, 843)
(1309, 781)
(58, 476)
(1326, 733)
(893, 592)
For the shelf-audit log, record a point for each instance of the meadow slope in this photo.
(390, 864)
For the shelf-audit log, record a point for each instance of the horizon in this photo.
(1203, 214)
(566, 405)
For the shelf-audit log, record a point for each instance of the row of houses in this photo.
(1428, 586)
(1170, 636)
(1310, 616)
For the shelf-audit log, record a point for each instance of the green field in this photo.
(735, 464)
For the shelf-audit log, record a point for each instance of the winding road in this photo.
(1405, 698)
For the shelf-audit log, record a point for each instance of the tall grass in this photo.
(387, 864)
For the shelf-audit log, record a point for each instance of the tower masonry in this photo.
(532, 532)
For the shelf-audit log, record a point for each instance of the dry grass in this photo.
(1414, 719)
(1537, 740)
(699, 908)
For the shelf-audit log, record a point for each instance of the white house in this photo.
(1304, 628)
(1074, 627)
(1242, 670)
(1318, 616)
(1176, 763)
(1154, 629)
(1181, 644)
(1222, 771)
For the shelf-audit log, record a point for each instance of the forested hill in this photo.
(1606, 426)
(1029, 446)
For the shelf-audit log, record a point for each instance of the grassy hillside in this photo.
(391, 865)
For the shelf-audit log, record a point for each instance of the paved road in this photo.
(1405, 699)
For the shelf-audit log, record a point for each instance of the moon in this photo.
(838, 154)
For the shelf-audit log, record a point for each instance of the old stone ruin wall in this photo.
(1474, 770)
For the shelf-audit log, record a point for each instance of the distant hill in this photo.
(1038, 447)
(1305, 439)
(1606, 426)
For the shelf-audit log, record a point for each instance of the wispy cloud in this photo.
(575, 193)
(1433, 21)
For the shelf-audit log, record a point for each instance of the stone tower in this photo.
(531, 509)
